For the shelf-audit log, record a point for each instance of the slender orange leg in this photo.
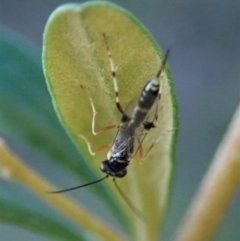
(149, 149)
(153, 143)
(93, 153)
(137, 157)
(94, 117)
(101, 148)
(139, 150)
(142, 157)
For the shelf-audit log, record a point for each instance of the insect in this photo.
(137, 120)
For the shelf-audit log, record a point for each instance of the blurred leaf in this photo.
(14, 169)
(14, 213)
(26, 111)
(74, 54)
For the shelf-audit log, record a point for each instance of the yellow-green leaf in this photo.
(74, 54)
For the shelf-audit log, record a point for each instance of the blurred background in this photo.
(204, 37)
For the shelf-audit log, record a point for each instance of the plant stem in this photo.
(12, 168)
(217, 189)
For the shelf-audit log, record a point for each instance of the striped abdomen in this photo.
(149, 95)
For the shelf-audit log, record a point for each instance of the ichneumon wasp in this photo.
(137, 120)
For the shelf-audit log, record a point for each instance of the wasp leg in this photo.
(93, 153)
(155, 141)
(139, 150)
(114, 74)
(149, 149)
(148, 126)
(94, 117)
(139, 154)
(140, 157)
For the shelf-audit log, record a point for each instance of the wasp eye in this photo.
(104, 166)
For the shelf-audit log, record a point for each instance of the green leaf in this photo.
(36, 221)
(26, 114)
(26, 111)
(74, 54)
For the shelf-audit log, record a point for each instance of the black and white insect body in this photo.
(122, 150)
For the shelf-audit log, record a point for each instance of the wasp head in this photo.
(114, 169)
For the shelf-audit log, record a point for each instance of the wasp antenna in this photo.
(129, 203)
(77, 187)
(163, 63)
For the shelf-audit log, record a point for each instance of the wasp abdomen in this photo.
(148, 97)
(149, 94)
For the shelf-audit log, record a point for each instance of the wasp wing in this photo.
(126, 137)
